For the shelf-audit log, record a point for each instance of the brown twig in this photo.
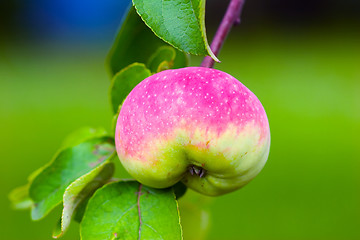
(231, 18)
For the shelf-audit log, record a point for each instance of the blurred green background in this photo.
(302, 60)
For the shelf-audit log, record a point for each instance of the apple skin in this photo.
(193, 117)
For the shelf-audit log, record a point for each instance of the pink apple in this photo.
(197, 125)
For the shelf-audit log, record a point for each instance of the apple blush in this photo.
(196, 125)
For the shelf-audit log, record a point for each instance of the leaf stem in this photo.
(231, 18)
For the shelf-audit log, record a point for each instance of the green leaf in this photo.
(124, 81)
(19, 198)
(78, 193)
(167, 57)
(129, 210)
(103, 177)
(135, 42)
(83, 134)
(48, 187)
(114, 119)
(180, 23)
(165, 54)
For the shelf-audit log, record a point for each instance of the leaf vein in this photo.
(154, 230)
(139, 211)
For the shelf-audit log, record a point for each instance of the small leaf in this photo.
(167, 57)
(181, 23)
(78, 193)
(163, 54)
(114, 119)
(103, 177)
(164, 65)
(129, 210)
(58, 230)
(48, 187)
(135, 42)
(20, 199)
(124, 81)
(81, 135)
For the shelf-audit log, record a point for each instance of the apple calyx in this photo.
(199, 171)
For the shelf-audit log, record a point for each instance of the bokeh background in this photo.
(301, 58)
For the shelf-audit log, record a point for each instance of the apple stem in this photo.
(231, 18)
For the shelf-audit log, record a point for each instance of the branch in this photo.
(231, 18)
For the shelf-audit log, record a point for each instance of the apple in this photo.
(197, 125)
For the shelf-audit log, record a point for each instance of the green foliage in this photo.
(162, 59)
(79, 175)
(167, 57)
(78, 193)
(19, 196)
(47, 188)
(81, 135)
(134, 43)
(280, 196)
(77, 172)
(124, 81)
(114, 119)
(129, 210)
(180, 23)
(20, 199)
